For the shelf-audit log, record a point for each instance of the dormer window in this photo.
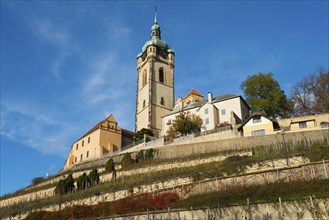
(256, 119)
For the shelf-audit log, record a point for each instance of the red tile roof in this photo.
(193, 92)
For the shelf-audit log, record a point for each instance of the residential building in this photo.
(258, 124)
(215, 111)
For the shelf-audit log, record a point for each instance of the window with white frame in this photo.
(206, 111)
(258, 132)
(223, 111)
(206, 121)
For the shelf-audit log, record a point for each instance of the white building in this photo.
(215, 112)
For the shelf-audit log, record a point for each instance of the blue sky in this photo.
(67, 65)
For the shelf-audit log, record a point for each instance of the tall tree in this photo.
(310, 95)
(263, 94)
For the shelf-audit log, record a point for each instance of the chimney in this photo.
(209, 97)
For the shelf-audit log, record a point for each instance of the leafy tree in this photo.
(140, 134)
(149, 154)
(109, 166)
(184, 124)
(37, 180)
(310, 95)
(83, 182)
(93, 177)
(263, 94)
(69, 183)
(65, 185)
(140, 156)
(60, 187)
(126, 160)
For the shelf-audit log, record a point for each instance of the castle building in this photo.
(155, 84)
(105, 138)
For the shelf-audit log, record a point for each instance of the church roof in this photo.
(193, 92)
(156, 39)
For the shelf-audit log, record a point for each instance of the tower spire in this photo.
(155, 14)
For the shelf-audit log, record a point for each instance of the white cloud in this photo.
(36, 127)
(59, 37)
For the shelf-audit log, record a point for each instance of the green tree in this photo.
(184, 124)
(149, 154)
(37, 180)
(140, 134)
(69, 183)
(83, 182)
(140, 156)
(126, 160)
(263, 94)
(93, 177)
(109, 166)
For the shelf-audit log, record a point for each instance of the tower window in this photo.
(77, 146)
(162, 102)
(88, 139)
(161, 75)
(87, 153)
(144, 80)
(143, 103)
(83, 143)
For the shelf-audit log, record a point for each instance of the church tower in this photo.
(155, 84)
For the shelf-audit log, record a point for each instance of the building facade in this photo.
(215, 111)
(106, 137)
(155, 84)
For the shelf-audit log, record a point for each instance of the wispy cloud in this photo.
(59, 37)
(35, 126)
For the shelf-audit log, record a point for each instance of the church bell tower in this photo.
(155, 84)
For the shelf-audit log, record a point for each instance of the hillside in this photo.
(194, 168)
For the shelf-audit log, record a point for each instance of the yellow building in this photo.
(307, 122)
(105, 138)
(258, 124)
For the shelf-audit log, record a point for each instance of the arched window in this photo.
(161, 75)
(144, 80)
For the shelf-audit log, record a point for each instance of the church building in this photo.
(155, 84)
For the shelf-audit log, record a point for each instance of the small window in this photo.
(87, 153)
(206, 111)
(75, 159)
(256, 119)
(77, 146)
(223, 112)
(144, 104)
(80, 157)
(162, 101)
(258, 132)
(303, 124)
(88, 139)
(83, 143)
(169, 122)
(206, 121)
(144, 80)
(161, 75)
